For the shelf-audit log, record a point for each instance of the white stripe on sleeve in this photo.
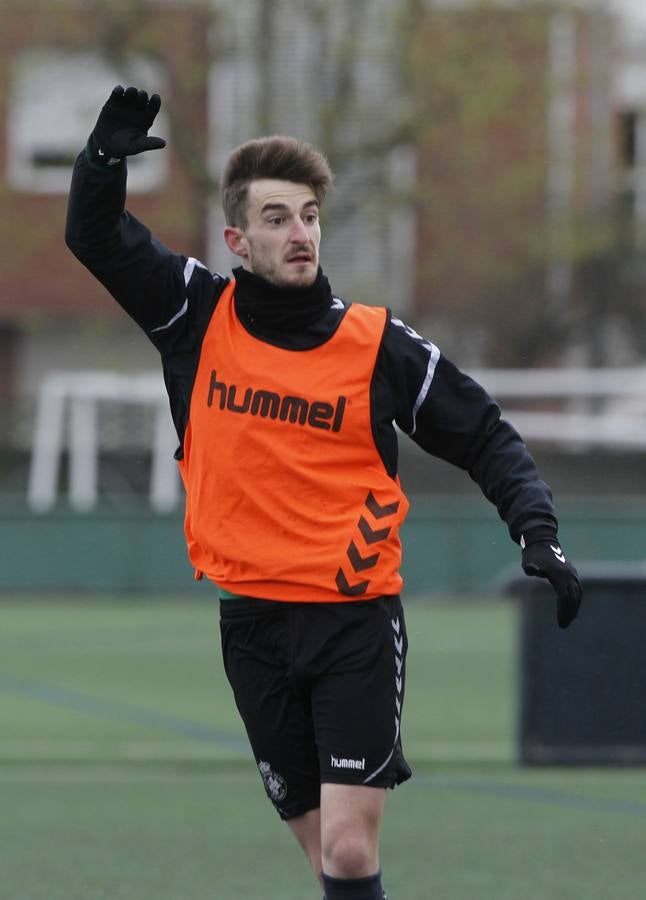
(189, 268)
(434, 355)
(428, 379)
(172, 321)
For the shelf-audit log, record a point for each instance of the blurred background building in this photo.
(490, 163)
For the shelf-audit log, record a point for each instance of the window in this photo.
(54, 100)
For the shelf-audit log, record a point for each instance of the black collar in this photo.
(265, 308)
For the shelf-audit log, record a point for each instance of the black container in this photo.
(582, 697)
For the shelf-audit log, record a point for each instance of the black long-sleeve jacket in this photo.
(172, 298)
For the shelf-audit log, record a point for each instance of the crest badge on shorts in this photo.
(275, 784)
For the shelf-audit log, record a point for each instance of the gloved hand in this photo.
(543, 557)
(122, 127)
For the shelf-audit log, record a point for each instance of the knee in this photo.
(350, 824)
(349, 855)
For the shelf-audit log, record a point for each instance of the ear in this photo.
(236, 241)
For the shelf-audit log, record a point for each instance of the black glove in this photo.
(542, 556)
(122, 127)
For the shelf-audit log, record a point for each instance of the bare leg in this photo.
(350, 823)
(307, 831)
(342, 837)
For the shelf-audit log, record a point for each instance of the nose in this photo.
(298, 233)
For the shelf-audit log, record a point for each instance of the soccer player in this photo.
(285, 399)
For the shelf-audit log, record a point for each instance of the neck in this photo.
(266, 308)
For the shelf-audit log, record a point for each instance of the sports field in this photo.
(125, 775)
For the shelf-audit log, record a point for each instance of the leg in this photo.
(351, 817)
(357, 706)
(350, 823)
(307, 831)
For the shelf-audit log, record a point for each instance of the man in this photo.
(284, 399)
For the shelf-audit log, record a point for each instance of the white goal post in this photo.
(67, 413)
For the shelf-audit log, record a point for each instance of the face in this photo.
(283, 233)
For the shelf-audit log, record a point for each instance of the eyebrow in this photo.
(282, 207)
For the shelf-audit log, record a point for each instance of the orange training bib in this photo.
(287, 496)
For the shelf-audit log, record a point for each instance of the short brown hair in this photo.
(285, 158)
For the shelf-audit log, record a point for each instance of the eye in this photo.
(311, 218)
(276, 220)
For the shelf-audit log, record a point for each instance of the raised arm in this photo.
(148, 280)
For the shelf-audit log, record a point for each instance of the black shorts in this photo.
(320, 688)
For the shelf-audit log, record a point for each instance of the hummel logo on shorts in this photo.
(343, 763)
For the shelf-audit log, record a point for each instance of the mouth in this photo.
(300, 258)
